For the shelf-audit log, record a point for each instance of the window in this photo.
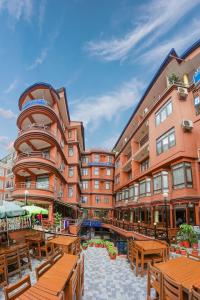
(84, 185)
(62, 166)
(97, 199)
(85, 159)
(117, 163)
(84, 171)
(70, 191)
(46, 154)
(166, 141)
(1, 184)
(106, 200)
(71, 171)
(133, 192)
(62, 144)
(96, 157)
(160, 182)
(70, 134)
(107, 185)
(1, 171)
(42, 182)
(96, 184)
(144, 165)
(164, 112)
(96, 171)
(182, 175)
(197, 104)
(84, 199)
(109, 159)
(108, 171)
(117, 179)
(70, 151)
(145, 187)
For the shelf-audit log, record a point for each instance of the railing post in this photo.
(155, 231)
(139, 226)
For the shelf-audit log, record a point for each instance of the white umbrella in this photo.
(10, 209)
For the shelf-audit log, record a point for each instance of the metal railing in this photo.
(37, 154)
(33, 185)
(38, 126)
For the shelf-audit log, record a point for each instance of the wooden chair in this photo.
(73, 286)
(81, 277)
(24, 258)
(171, 289)
(13, 263)
(3, 271)
(41, 269)
(194, 257)
(47, 249)
(78, 247)
(195, 293)
(13, 291)
(136, 259)
(154, 281)
(56, 256)
(73, 249)
(129, 248)
(164, 255)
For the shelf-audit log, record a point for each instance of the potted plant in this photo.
(194, 241)
(186, 234)
(178, 251)
(113, 253)
(173, 78)
(84, 246)
(195, 252)
(183, 251)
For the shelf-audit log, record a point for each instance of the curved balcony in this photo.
(36, 163)
(35, 190)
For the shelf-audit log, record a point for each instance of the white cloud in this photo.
(17, 9)
(7, 114)
(40, 59)
(96, 109)
(159, 17)
(11, 87)
(6, 144)
(41, 13)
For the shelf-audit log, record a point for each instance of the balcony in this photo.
(35, 154)
(37, 126)
(127, 165)
(142, 153)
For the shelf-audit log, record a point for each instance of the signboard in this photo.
(91, 223)
(34, 102)
(196, 101)
(196, 77)
(100, 164)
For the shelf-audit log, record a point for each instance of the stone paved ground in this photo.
(107, 279)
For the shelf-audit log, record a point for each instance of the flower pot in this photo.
(180, 244)
(178, 251)
(91, 245)
(186, 244)
(195, 252)
(112, 256)
(195, 246)
(183, 252)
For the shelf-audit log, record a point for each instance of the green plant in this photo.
(173, 78)
(187, 233)
(112, 251)
(58, 218)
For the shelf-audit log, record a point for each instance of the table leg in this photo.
(142, 263)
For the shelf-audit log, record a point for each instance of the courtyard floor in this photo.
(107, 279)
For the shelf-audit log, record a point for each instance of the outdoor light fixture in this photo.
(26, 193)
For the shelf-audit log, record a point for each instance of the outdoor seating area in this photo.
(57, 264)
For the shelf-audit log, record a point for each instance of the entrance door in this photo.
(180, 216)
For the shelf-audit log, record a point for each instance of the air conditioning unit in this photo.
(183, 93)
(187, 125)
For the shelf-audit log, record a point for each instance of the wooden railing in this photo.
(33, 185)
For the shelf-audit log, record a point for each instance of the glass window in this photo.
(160, 182)
(84, 171)
(166, 141)
(182, 175)
(84, 199)
(117, 179)
(85, 159)
(117, 163)
(164, 112)
(70, 134)
(70, 151)
(46, 154)
(145, 187)
(107, 185)
(97, 199)
(96, 184)
(109, 159)
(142, 188)
(197, 104)
(96, 171)
(71, 171)
(144, 165)
(70, 191)
(84, 185)
(42, 182)
(106, 200)
(108, 171)
(96, 157)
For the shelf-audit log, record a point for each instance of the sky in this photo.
(103, 52)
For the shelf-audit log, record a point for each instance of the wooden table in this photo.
(147, 248)
(52, 283)
(64, 242)
(183, 270)
(38, 240)
(6, 249)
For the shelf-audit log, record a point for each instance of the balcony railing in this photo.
(37, 126)
(33, 185)
(35, 154)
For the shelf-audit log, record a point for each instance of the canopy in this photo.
(10, 209)
(35, 210)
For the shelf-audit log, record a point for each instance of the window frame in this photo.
(160, 140)
(186, 184)
(163, 109)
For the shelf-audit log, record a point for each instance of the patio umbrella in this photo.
(35, 210)
(10, 209)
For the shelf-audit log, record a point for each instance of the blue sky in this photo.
(103, 52)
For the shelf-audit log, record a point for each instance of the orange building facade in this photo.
(97, 183)
(157, 156)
